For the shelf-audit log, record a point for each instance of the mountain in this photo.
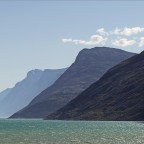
(118, 95)
(24, 91)
(4, 93)
(88, 67)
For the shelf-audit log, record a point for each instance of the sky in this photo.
(49, 34)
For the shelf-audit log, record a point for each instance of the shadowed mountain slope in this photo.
(88, 67)
(118, 95)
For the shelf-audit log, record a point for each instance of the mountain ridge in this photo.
(24, 91)
(89, 66)
(118, 95)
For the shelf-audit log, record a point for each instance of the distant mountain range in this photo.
(118, 95)
(88, 67)
(4, 93)
(12, 100)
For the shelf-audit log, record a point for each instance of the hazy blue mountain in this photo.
(88, 67)
(4, 93)
(24, 91)
(118, 95)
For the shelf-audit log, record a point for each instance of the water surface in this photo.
(70, 132)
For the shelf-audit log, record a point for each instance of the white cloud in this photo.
(101, 31)
(116, 31)
(123, 42)
(141, 43)
(97, 39)
(94, 40)
(128, 31)
(66, 40)
(117, 37)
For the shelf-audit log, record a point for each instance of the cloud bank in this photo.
(102, 31)
(117, 37)
(123, 42)
(141, 42)
(130, 31)
(94, 40)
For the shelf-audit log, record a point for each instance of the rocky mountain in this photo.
(118, 95)
(88, 67)
(24, 91)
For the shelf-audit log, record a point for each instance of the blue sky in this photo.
(46, 34)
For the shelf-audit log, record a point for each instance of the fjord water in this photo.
(70, 132)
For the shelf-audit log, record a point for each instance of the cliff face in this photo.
(88, 67)
(118, 95)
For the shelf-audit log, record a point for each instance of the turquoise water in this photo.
(70, 132)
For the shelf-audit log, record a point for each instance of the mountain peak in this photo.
(35, 72)
(88, 67)
(27, 89)
(118, 95)
(100, 49)
(101, 54)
